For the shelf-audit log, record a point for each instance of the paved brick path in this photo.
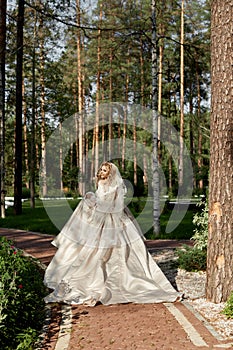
(128, 326)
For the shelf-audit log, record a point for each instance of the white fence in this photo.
(9, 201)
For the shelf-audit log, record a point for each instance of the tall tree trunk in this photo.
(18, 123)
(135, 179)
(181, 155)
(160, 73)
(191, 126)
(124, 127)
(110, 132)
(155, 165)
(170, 170)
(199, 150)
(200, 159)
(37, 156)
(60, 155)
(170, 173)
(160, 98)
(220, 240)
(33, 155)
(74, 92)
(125, 113)
(142, 87)
(25, 138)
(95, 155)
(42, 107)
(142, 77)
(80, 105)
(2, 103)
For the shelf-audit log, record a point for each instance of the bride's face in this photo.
(104, 172)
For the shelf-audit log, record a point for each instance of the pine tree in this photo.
(220, 240)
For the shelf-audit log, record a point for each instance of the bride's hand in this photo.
(90, 199)
(89, 195)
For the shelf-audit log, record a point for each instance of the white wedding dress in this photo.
(102, 256)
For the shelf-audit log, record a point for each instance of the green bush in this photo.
(194, 258)
(200, 220)
(25, 193)
(21, 298)
(228, 309)
(191, 258)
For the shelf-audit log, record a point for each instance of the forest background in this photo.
(79, 54)
(66, 59)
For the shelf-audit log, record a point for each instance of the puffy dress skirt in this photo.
(102, 257)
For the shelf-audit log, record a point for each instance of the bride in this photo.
(101, 255)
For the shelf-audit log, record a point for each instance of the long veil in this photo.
(101, 219)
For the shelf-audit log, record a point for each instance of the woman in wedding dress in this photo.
(101, 255)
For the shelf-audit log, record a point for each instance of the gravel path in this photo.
(192, 284)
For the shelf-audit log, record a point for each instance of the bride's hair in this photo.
(114, 177)
(108, 165)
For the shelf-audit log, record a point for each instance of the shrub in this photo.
(25, 193)
(228, 309)
(21, 298)
(194, 258)
(200, 236)
(191, 258)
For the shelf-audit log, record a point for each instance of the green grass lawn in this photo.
(183, 229)
(38, 220)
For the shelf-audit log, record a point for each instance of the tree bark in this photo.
(2, 102)
(110, 129)
(199, 150)
(135, 178)
(181, 156)
(160, 73)
(80, 105)
(95, 154)
(220, 241)
(25, 138)
(18, 124)
(156, 190)
(33, 155)
(42, 104)
(61, 155)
